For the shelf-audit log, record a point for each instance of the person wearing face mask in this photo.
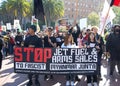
(113, 49)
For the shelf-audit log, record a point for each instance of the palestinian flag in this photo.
(115, 3)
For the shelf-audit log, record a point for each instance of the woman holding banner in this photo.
(92, 43)
(69, 43)
(100, 42)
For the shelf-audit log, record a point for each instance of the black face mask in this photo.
(117, 30)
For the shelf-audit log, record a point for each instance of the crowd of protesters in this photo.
(71, 39)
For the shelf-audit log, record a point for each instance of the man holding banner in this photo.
(33, 41)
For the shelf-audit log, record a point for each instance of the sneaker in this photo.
(72, 83)
(95, 84)
(77, 79)
(29, 83)
(67, 83)
(37, 83)
(89, 84)
(51, 77)
(111, 77)
(45, 77)
(118, 73)
(100, 78)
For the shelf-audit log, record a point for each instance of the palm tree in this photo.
(4, 13)
(54, 9)
(19, 8)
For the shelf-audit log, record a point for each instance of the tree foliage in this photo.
(54, 9)
(15, 9)
(117, 12)
(93, 19)
(11, 9)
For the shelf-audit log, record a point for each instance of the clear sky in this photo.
(1, 1)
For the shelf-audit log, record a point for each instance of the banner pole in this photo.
(45, 20)
(76, 10)
(105, 21)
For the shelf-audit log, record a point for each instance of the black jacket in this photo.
(101, 44)
(33, 40)
(18, 40)
(113, 45)
(75, 34)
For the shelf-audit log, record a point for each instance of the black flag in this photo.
(38, 9)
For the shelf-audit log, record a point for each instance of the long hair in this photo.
(67, 36)
(94, 27)
(80, 35)
(89, 36)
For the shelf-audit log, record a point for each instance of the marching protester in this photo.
(69, 43)
(113, 48)
(80, 40)
(11, 43)
(49, 42)
(1, 56)
(33, 41)
(59, 39)
(18, 39)
(85, 35)
(75, 33)
(92, 43)
(100, 42)
(5, 47)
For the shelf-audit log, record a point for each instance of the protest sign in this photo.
(56, 60)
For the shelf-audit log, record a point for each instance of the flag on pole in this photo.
(34, 21)
(115, 2)
(38, 9)
(106, 16)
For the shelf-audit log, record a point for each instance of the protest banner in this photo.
(56, 60)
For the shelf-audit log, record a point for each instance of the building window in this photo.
(69, 3)
(68, 9)
(75, 4)
(72, 16)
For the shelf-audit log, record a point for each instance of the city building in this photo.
(81, 8)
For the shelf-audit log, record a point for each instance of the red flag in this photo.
(115, 2)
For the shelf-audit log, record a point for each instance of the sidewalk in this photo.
(9, 78)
